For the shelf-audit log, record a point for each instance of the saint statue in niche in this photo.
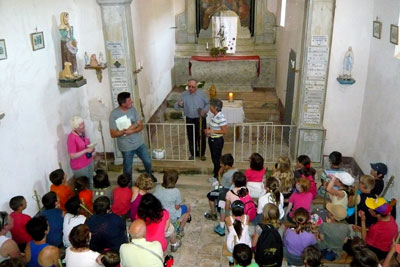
(209, 7)
(348, 63)
(68, 43)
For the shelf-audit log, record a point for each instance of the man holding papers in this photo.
(125, 125)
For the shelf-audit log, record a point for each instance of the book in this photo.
(123, 123)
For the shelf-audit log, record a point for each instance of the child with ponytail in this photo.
(297, 239)
(305, 171)
(238, 227)
(284, 174)
(273, 196)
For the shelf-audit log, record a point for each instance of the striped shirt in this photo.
(216, 122)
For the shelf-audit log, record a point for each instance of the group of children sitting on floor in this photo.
(354, 214)
(91, 223)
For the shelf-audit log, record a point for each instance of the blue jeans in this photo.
(142, 153)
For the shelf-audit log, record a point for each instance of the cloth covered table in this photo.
(233, 111)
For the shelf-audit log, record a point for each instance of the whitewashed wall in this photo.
(352, 27)
(34, 131)
(378, 137)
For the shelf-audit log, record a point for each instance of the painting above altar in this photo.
(207, 8)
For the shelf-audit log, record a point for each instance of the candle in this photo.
(207, 45)
(230, 97)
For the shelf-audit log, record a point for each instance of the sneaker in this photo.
(212, 180)
(203, 158)
(174, 247)
(211, 216)
(189, 219)
(153, 178)
(191, 158)
(231, 263)
(215, 185)
(219, 230)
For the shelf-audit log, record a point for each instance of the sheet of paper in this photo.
(221, 204)
(123, 123)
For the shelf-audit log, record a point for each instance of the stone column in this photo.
(120, 53)
(315, 62)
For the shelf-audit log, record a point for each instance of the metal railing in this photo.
(269, 140)
(168, 140)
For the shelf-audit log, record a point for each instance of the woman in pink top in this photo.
(255, 176)
(157, 221)
(80, 154)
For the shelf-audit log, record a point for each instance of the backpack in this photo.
(249, 206)
(269, 248)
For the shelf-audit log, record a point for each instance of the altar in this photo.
(227, 73)
(233, 111)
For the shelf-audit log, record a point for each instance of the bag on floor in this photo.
(269, 248)
(250, 208)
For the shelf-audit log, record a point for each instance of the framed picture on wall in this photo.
(377, 29)
(37, 40)
(394, 34)
(3, 50)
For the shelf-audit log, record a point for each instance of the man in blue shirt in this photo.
(195, 106)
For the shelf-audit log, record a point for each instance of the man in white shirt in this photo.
(139, 252)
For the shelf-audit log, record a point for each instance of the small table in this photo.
(233, 111)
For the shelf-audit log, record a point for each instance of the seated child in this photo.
(300, 199)
(216, 196)
(284, 174)
(243, 256)
(59, 185)
(110, 258)
(272, 196)
(238, 228)
(312, 257)
(333, 234)
(54, 217)
(297, 239)
(72, 218)
(142, 185)
(363, 256)
(367, 183)
(239, 181)
(378, 171)
(335, 160)
(171, 199)
(18, 232)
(85, 195)
(38, 250)
(122, 196)
(304, 170)
(344, 191)
(381, 234)
(101, 185)
(270, 216)
(255, 176)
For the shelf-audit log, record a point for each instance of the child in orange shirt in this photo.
(81, 190)
(59, 185)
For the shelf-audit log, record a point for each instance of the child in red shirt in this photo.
(255, 176)
(59, 185)
(18, 232)
(122, 196)
(81, 190)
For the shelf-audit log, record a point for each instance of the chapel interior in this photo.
(297, 76)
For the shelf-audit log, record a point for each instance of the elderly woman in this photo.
(8, 247)
(80, 154)
(218, 127)
(80, 254)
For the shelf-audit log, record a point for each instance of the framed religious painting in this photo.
(394, 34)
(3, 50)
(377, 29)
(37, 40)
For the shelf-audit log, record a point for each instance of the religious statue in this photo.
(86, 59)
(68, 43)
(93, 61)
(348, 62)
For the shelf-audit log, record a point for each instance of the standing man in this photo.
(129, 139)
(195, 108)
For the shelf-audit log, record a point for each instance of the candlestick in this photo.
(230, 97)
